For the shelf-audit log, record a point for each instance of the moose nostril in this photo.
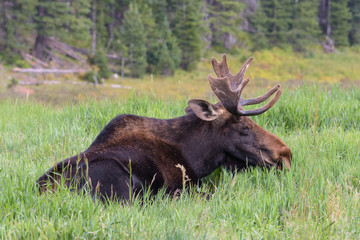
(287, 163)
(286, 157)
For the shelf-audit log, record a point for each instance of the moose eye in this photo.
(245, 130)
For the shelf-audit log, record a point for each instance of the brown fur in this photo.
(153, 148)
(134, 152)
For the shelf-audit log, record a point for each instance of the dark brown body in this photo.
(134, 152)
(151, 149)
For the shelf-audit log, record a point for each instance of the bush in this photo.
(90, 76)
(101, 62)
(13, 82)
(22, 64)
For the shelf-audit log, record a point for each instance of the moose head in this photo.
(132, 152)
(246, 140)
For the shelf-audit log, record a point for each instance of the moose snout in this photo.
(285, 156)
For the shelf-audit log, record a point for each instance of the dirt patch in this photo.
(23, 91)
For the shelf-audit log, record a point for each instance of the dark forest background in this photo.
(159, 36)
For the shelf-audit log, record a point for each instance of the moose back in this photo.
(133, 151)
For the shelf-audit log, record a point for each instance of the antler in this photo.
(228, 88)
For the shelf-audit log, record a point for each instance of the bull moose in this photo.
(133, 151)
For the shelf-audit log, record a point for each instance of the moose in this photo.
(134, 151)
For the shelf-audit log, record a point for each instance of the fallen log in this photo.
(47, 70)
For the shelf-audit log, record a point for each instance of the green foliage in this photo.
(163, 53)
(22, 64)
(13, 82)
(354, 6)
(78, 24)
(170, 53)
(258, 21)
(305, 29)
(51, 18)
(279, 18)
(101, 62)
(153, 41)
(340, 22)
(165, 64)
(159, 36)
(224, 20)
(187, 32)
(134, 39)
(317, 199)
(16, 27)
(89, 76)
(64, 20)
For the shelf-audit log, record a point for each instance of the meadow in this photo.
(318, 198)
(269, 67)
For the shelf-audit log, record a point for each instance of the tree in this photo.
(279, 18)
(170, 53)
(152, 43)
(60, 19)
(187, 33)
(15, 27)
(340, 22)
(134, 39)
(354, 6)
(101, 62)
(78, 24)
(225, 20)
(258, 28)
(304, 28)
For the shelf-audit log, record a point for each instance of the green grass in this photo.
(319, 198)
(269, 67)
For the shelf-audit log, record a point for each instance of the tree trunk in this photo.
(93, 35)
(111, 27)
(328, 17)
(39, 48)
(122, 66)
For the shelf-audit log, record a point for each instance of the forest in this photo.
(160, 36)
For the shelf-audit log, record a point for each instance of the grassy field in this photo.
(269, 68)
(319, 198)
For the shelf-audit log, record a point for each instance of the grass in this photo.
(319, 198)
(269, 68)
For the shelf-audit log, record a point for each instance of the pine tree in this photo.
(187, 33)
(153, 46)
(165, 65)
(258, 26)
(56, 19)
(169, 56)
(159, 37)
(304, 28)
(101, 62)
(340, 22)
(279, 19)
(78, 24)
(225, 20)
(16, 27)
(134, 39)
(354, 6)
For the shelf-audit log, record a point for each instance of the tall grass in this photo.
(317, 199)
(269, 67)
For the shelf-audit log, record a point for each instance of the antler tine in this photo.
(260, 99)
(228, 97)
(228, 88)
(263, 108)
(222, 70)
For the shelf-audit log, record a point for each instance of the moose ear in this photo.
(203, 109)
